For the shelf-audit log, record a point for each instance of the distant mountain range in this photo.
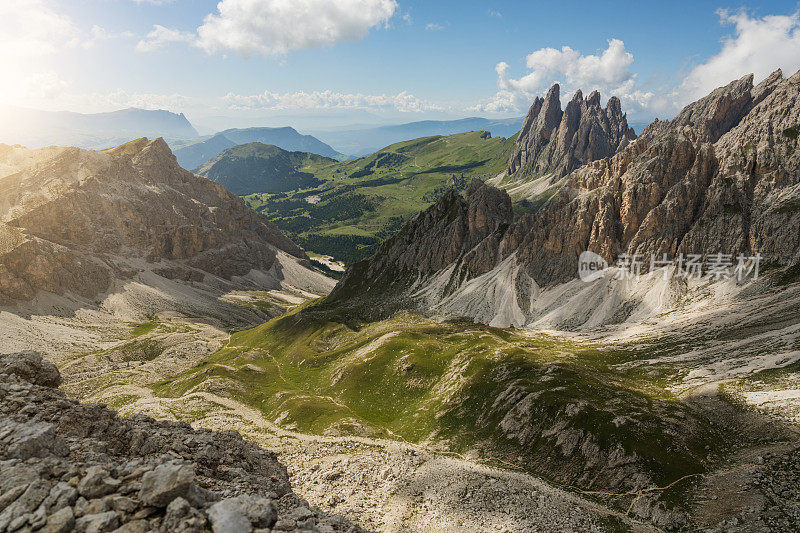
(34, 128)
(364, 141)
(262, 168)
(192, 155)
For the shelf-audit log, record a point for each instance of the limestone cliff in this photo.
(552, 141)
(723, 176)
(72, 221)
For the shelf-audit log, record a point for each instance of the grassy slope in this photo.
(361, 202)
(464, 386)
(262, 168)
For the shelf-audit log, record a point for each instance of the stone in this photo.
(227, 516)
(24, 505)
(262, 512)
(61, 495)
(123, 504)
(30, 366)
(182, 517)
(37, 439)
(61, 521)
(165, 483)
(11, 495)
(97, 483)
(97, 523)
(134, 526)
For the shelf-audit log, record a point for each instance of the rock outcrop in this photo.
(455, 230)
(72, 221)
(65, 467)
(556, 142)
(722, 177)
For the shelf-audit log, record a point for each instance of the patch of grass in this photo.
(789, 206)
(371, 196)
(144, 329)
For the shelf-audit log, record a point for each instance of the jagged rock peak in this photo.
(456, 229)
(715, 114)
(558, 142)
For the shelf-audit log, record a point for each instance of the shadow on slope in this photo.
(567, 411)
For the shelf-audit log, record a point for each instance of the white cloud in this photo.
(609, 72)
(33, 35)
(161, 36)
(32, 29)
(275, 27)
(758, 46)
(496, 14)
(122, 99)
(44, 85)
(434, 26)
(99, 34)
(95, 102)
(402, 101)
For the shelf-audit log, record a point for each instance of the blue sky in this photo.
(381, 60)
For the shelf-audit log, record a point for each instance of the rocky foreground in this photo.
(65, 466)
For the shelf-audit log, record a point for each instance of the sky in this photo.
(224, 63)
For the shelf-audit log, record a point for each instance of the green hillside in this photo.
(544, 404)
(356, 204)
(262, 168)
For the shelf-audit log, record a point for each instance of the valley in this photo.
(366, 411)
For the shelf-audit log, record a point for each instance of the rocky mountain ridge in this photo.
(722, 177)
(75, 221)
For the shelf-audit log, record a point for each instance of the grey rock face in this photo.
(227, 516)
(97, 523)
(182, 517)
(31, 367)
(109, 472)
(97, 483)
(556, 142)
(60, 521)
(33, 440)
(431, 241)
(715, 179)
(722, 177)
(74, 216)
